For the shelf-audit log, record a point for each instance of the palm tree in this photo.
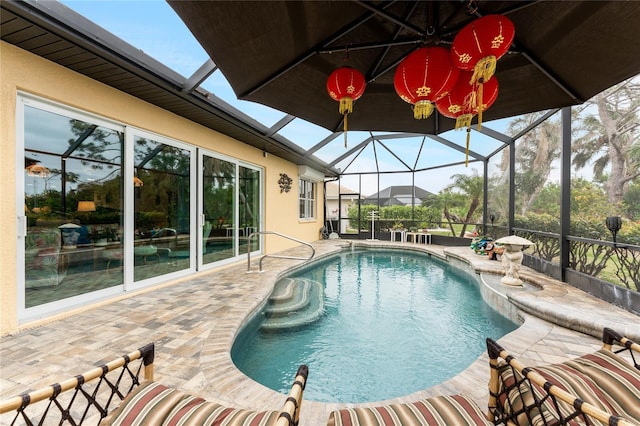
(498, 199)
(443, 201)
(472, 189)
(535, 153)
(610, 137)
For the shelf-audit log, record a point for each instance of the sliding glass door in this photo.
(219, 233)
(250, 206)
(231, 207)
(73, 204)
(93, 228)
(161, 202)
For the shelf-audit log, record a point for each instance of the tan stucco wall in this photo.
(20, 70)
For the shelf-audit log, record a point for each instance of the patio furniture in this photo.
(44, 265)
(398, 235)
(448, 410)
(155, 404)
(597, 388)
(112, 255)
(87, 397)
(178, 252)
(144, 252)
(94, 395)
(418, 237)
(411, 237)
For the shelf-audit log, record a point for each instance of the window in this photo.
(307, 199)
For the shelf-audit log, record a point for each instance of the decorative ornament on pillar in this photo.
(424, 76)
(346, 85)
(512, 258)
(462, 103)
(478, 46)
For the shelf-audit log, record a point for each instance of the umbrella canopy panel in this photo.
(280, 53)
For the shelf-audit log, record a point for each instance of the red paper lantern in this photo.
(479, 45)
(463, 102)
(346, 85)
(425, 76)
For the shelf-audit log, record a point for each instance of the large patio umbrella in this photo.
(280, 53)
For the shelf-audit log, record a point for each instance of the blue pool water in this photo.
(393, 323)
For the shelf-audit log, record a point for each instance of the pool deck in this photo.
(194, 320)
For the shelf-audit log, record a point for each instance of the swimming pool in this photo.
(392, 322)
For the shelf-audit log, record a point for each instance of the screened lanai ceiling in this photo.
(280, 54)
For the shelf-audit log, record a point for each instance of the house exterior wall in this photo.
(23, 71)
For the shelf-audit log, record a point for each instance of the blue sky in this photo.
(153, 27)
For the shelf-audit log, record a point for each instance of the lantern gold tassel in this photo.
(484, 69)
(422, 109)
(345, 128)
(466, 158)
(463, 121)
(346, 105)
(480, 104)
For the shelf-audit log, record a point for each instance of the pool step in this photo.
(294, 302)
(293, 299)
(283, 290)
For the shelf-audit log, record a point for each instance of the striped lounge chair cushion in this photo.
(442, 410)
(618, 380)
(155, 404)
(602, 379)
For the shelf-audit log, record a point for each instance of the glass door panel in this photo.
(249, 207)
(162, 225)
(73, 204)
(219, 228)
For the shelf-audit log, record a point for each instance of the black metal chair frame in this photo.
(91, 393)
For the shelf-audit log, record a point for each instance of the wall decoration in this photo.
(285, 183)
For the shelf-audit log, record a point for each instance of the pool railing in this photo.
(313, 250)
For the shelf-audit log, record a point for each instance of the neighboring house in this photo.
(337, 198)
(332, 196)
(402, 195)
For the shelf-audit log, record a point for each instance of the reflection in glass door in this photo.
(249, 208)
(72, 205)
(219, 225)
(162, 222)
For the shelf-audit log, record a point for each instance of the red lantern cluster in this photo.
(346, 85)
(459, 82)
(423, 77)
(478, 46)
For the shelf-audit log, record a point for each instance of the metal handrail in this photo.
(313, 250)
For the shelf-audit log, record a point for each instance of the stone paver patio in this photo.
(194, 321)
